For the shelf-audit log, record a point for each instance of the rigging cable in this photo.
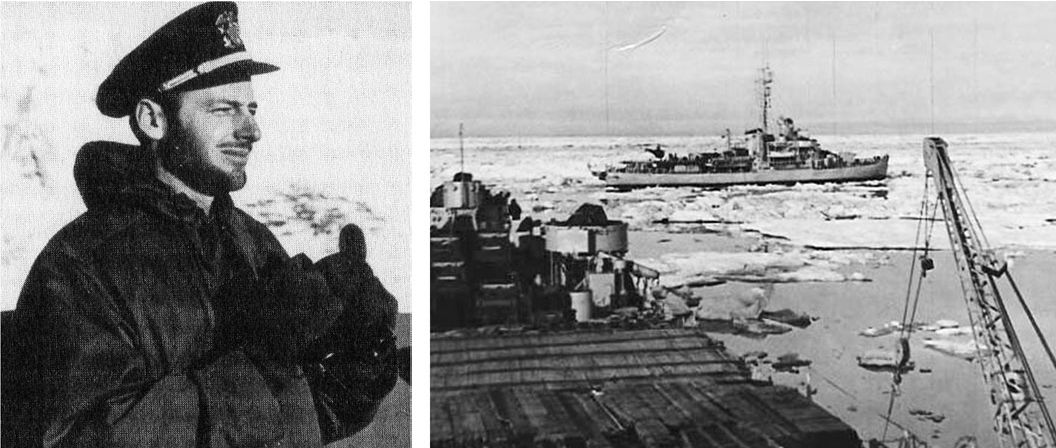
(897, 376)
(913, 265)
(925, 261)
(854, 397)
(1034, 323)
(971, 210)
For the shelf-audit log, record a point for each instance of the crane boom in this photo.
(1021, 417)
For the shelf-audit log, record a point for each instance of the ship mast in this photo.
(761, 157)
(765, 79)
(461, 151)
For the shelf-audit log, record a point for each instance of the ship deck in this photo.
(613, 388)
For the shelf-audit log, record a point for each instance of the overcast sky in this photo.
(547, 68)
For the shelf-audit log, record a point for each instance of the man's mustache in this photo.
(238, 145)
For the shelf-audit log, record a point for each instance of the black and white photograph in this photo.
(206, 224)
(750, 224)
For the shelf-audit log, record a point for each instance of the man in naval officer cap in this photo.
(166, 316)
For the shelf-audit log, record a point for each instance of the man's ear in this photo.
(151, 119)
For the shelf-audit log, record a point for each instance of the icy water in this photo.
(1010, 180)
(953, 388)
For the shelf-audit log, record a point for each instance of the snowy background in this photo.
(335, 120)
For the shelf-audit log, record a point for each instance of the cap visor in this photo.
(259, 68)
(240, 71)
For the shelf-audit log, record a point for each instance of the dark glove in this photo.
(292, 307)
(355, 364)
(366, 302)
(350, 384)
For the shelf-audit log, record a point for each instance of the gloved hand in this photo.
(277, 319)
(349, 384)
(366, 302)
(354, 365)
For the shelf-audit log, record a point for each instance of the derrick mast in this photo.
(1021, 417)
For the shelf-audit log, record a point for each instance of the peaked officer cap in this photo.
(199, 48)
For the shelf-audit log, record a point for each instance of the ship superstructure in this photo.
(790, 156)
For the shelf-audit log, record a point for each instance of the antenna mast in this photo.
(461, 151)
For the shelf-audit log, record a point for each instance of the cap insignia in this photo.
(227, 25)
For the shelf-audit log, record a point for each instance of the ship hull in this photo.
(874, 171)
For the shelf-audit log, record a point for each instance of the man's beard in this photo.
(180, 155)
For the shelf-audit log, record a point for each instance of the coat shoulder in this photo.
(88, 232)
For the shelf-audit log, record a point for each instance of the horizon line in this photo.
(1031, 127)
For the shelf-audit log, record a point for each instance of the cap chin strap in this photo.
(204, 68)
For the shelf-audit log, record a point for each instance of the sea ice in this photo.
(946, 323)
(678, 269)
(954, 331)
(744, 305)
(882, 359)
(968, 350)
(1010, 180)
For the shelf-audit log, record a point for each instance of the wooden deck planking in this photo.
(447, 344)
(622, 347)
(668, 387)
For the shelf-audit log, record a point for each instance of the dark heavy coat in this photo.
(127, 317)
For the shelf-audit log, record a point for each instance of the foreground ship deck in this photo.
(613, 388)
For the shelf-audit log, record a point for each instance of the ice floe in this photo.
(679, 269)
(944, 336)
(881, 359)
(967, 349)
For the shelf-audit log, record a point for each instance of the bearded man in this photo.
(166, 316)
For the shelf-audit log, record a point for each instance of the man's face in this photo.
(211, 137)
